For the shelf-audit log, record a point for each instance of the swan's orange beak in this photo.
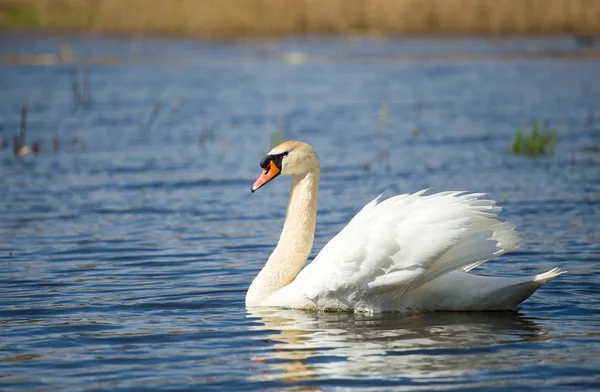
(270, 172)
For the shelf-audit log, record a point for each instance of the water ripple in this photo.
(126, 253)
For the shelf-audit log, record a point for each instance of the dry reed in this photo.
(234, 18)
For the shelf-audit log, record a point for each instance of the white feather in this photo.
(410, 251)
(394, 246)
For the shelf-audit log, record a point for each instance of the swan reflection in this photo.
(302, 346)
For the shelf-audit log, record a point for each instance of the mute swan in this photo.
(405, 253)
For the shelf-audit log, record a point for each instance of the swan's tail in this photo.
(464, 291)
(548, 276)
(519, 292)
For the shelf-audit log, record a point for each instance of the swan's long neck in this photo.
(295, 242)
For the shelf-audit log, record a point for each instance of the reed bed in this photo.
(235, 18)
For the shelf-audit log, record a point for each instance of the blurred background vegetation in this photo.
(231, 18)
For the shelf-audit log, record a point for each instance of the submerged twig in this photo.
(417, 109)
(55, 143)
(384, 154)
(19, 147)
(590, 118)
(35, 147)
(23, 128)
(382, 117)
(81, 87)
(75, 88)
(87, 88)
(156, 108)
(16, 144)
(206, 134)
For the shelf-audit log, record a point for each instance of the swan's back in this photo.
(394, 246)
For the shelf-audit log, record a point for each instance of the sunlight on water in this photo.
(128, 242)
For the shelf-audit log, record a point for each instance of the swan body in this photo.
(405, 253)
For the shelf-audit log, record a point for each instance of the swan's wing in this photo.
(395, 245)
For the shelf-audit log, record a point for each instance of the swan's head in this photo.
(291, 157)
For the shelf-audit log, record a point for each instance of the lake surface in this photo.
(128, 243)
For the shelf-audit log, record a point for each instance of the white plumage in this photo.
(393, 247)
(407, 252)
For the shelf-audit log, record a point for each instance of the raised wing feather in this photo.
(395, 245)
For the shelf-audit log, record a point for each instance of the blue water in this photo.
(126, 250)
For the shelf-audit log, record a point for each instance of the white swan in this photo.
(408, 252)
